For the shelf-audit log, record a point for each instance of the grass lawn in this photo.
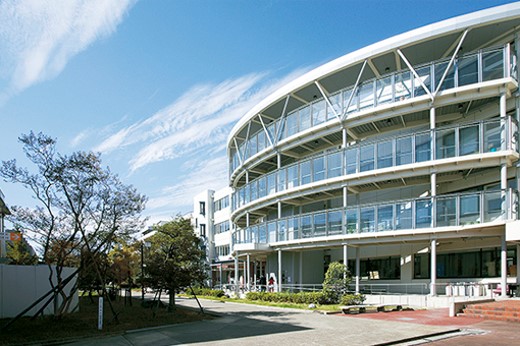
(84, 323)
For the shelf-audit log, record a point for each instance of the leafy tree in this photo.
(81, 206)
(176, 260)
(19, 252)
(337, 279)
(124, 263)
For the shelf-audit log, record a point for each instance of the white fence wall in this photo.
(20, 286)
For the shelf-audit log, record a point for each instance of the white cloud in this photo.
(38, 38)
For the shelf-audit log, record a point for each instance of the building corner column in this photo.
(433, 274)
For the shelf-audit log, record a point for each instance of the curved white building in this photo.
(396, 158)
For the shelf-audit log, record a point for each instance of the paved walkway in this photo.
(244, 324)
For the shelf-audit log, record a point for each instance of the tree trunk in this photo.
(171, 302)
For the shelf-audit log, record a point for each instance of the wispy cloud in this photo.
(38, 38)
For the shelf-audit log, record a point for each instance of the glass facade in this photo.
(469, 69)
(451, 210)
(475, 138)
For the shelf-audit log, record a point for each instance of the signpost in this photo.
(12, 236)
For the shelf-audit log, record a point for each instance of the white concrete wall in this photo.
(20, 286)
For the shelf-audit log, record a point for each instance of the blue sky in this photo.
(156, 86)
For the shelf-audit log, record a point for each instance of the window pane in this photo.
(445, 144)
(282, 177)
(424, 74)
(367, 221)
(422, 147)
(468, 140)
(492, 65)
(352, 221)
(469, 209)
(366, 95)
(423, 213)
(492, 140)
(492, 206)
(367, 158)
(352, 160)
(334, 222)
(468, 70)
(335, 101)
(306, 226)
(403, 218)
(334, 165)
(261, 141)
(305, 118)
(404, 151)
(384, 90)
(292, 176)
(305, 171)
(319, 168)
(271, 183)
(385, 218)
(282, 230)
(320, 224)
(353, 102)
(403, 86)
(291, 124)
(446, 212)
(384, 154)
(262, 188)
(318, 113)
(271, 229)
(448, 83)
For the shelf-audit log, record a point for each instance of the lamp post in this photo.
(144, 244)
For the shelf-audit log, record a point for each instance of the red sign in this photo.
(15, 236)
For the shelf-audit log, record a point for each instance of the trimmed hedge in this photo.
(317, 297)
(352, 299)
(203, 291)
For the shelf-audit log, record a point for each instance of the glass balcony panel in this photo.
(403, 86)
(335, 101)
(492, 136)
(305, 172)
(469, 209)
(334, 222)
(385, 154)
(352, 220)
(423, 213)
(305, 118)
(254, 190)
(445, 144)
(352, 160)
(247, 193)
(404, 151)
(292, 176)
(318, 165)
(366, 95)
(242, 195)
(367, 220)
(243, 151)
(446, 211)
(493, 206)
(403, 218)
(306, 226)
(319, 113)
(422, 147)
(262, 187)
(320, 225)
(271, 230)
(291, 124)
(384, 90)
(492, 65)
(385, 218)
(292, 228)
(271, 183)
(282, 179)
(262, 233)
(366, 159)
(253, 145)
(448, 82)
(424, 74)
(282, 230)
(261, 141)
(334, 165)
(271, 129)
(353, 103)
(469, 140)
(467, 70)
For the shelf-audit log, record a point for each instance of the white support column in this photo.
(503, 266)
(345, 258)
(433, 275)
(433, 191)
(300, 274)
(220, 275)
(236, 273)
(358, 269)
(248, 274)
(279, 270)
(344, 138)
(3, 249)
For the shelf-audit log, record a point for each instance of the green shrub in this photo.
(352, 299)
(204, 291)
(286, 297)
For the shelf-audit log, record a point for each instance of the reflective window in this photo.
(292, 176)
(319, 114)
(384, 154)
(422, 147)
(492, 140)
(261, 141)
(367, 220)
(403, 85)
(423, 213)
(385, 218)
(469, 209)
(335, 101)
(282, 179)
(262, 188)
(320, 226)
(492, 65)
(445, 144)
(403, 151)
(282, 230)
(384, 90)
(468, 140)
(319, 168)
(305, 118)
(271, 230)
(334, 165)
(366, 158)
(306, 226)
(467, 70)
(446, 212)
(448, 82)
(352, 160)
(347, 96)
(403, 219)
(291, 124)
(352, 220)
(271, 183)
(366, 95)
(305, 171)
(492, 206)
(424, 74)
(334, 222)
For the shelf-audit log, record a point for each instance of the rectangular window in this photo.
(492, 65)
(468, 140)
(305, 118)
(404, 215)
(318, 168)
(366, 158)
(423, 213)
(292, 176)
(385, 219)
(352, 219)
(202, 208)
(291, 124)
(468, 70)
(422, 147)
(469, 209)
(334, 165)
(352, 160)
(305, 171)
(367, 220)
(403, 151)
(334, 222)
(202, 228)
(445, 144)
(319, 114)
(446, 211)
(384, 154)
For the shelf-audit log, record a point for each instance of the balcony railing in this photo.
(419, 213)
(442, 143)
(469, 69)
